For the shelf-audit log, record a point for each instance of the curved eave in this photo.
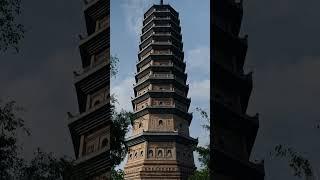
(226, 116)
(162, 46)
(230, 10)
(174, 68)
(245, 93)
(156, 6)
(166, 110)
(93, 44)
(160, 137)
(90, 120)
(158, 68)
(97, 79)
(165, 57)
(225, 163)
(156, 32)
(153, 18)
(236, 45)
(160, 81)
(235, 80)
(171, 37)
(157, 28)
(162, 94)
(91, 71)
(95, 10)
(93, 164)
(174, 22)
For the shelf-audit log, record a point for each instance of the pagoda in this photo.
(160, 146)
(90, 128)
(234, 132)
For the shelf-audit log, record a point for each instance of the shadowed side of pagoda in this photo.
(234, 132)
(90, 129)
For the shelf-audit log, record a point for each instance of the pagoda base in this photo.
(155, 171)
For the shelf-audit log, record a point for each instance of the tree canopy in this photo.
(11, 31)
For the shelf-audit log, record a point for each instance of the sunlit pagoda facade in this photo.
(90, 128)
(234, 132)
(160, 146)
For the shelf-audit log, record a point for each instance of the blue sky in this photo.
(126, 23)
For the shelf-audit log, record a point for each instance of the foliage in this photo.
(120, 123)
(299, 164)
(204, 116)
(12, 166)
(114, 60)
(45, 166)
(10, 124)
(11, 32)
(117, 174)
(204, 152)
(202, 174)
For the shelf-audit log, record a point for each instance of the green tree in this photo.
(298, 163)
(10, 125)
(117, 174)
(204, 152)
(120, 127)
(121, 122)
(11, 32)
(45, 166)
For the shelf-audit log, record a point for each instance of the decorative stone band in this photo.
(161, 137)
(96, 163)
(95, 9)
(93, 44)
(166, 110)
(85, 122)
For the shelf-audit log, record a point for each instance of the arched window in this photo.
(130, 156)
(169, 154)
(160, 154)
(104, 142)
(141, 153)
(96, 103)
(140, 124)
(160, 122)
(150, 153)
(135, 155)
(90, 148)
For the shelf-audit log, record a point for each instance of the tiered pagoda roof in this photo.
(160, 146)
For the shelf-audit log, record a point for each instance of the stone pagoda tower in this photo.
(160, 146)
(234, 131)
(90, 129)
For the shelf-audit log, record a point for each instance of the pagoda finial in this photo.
(161, 2)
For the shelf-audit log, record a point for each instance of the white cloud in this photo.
(123, 90)
(200, 90)
(134, 10)
(198, 60)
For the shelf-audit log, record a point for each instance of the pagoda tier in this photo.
(234, 131)
(160, 146)
(90, 128)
